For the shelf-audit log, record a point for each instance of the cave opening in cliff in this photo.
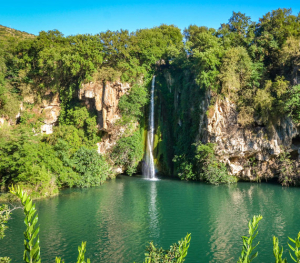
(294, 155)
(295, 147)
(234, 159)
(296, 141)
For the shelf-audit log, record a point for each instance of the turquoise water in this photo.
(120, 217)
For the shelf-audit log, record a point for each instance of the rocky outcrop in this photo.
(50, 108)
(251, 153)
(104, 97)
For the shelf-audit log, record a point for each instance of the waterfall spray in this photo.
(148, 165)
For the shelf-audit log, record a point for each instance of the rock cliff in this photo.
(104, 97)
(251, 153)
(50, 108)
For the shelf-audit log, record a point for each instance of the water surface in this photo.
(119, 218)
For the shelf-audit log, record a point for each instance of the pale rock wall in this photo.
(51, 108)
(104, 97)
(251, 153)
(2, 121)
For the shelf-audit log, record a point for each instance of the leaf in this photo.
(292, 256)
(294, 241)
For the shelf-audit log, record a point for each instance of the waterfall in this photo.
(148, 164)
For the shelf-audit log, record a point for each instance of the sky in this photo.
(87, 16)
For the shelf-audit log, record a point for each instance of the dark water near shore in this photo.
(120, 217)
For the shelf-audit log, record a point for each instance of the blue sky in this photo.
(86, 16)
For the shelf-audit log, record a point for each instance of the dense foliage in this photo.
(44, 164)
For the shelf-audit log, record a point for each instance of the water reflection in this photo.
(230, 209)
(153, 213)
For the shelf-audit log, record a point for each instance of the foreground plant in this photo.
(81, 256)
(246, 255)
(278, 251)
(295, 249)
(176, 253)
(32, 252)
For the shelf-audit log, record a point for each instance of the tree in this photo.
(235, 71)
(290, 58)
(292, 105)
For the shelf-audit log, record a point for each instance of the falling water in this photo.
(148, 165)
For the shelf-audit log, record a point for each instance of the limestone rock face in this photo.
(2, 121)
(251, 153)
(104, 97)
(51, 109)
(47, 128)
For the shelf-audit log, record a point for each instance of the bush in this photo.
(43, 164)
(81, 119)
(128, 152)
(130, 104)
(75, 138)
(288, 172)
(211, 169)
(184, 168)
(92, 167)
(176, 253)
(292, 105)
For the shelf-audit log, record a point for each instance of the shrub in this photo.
(78, 117)
(292, 105)
(211, 169)
(184, 168)
(288, 172)
(92, 167)
(75, 138)
(130, 104)
(176, 253)
(128, 152)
